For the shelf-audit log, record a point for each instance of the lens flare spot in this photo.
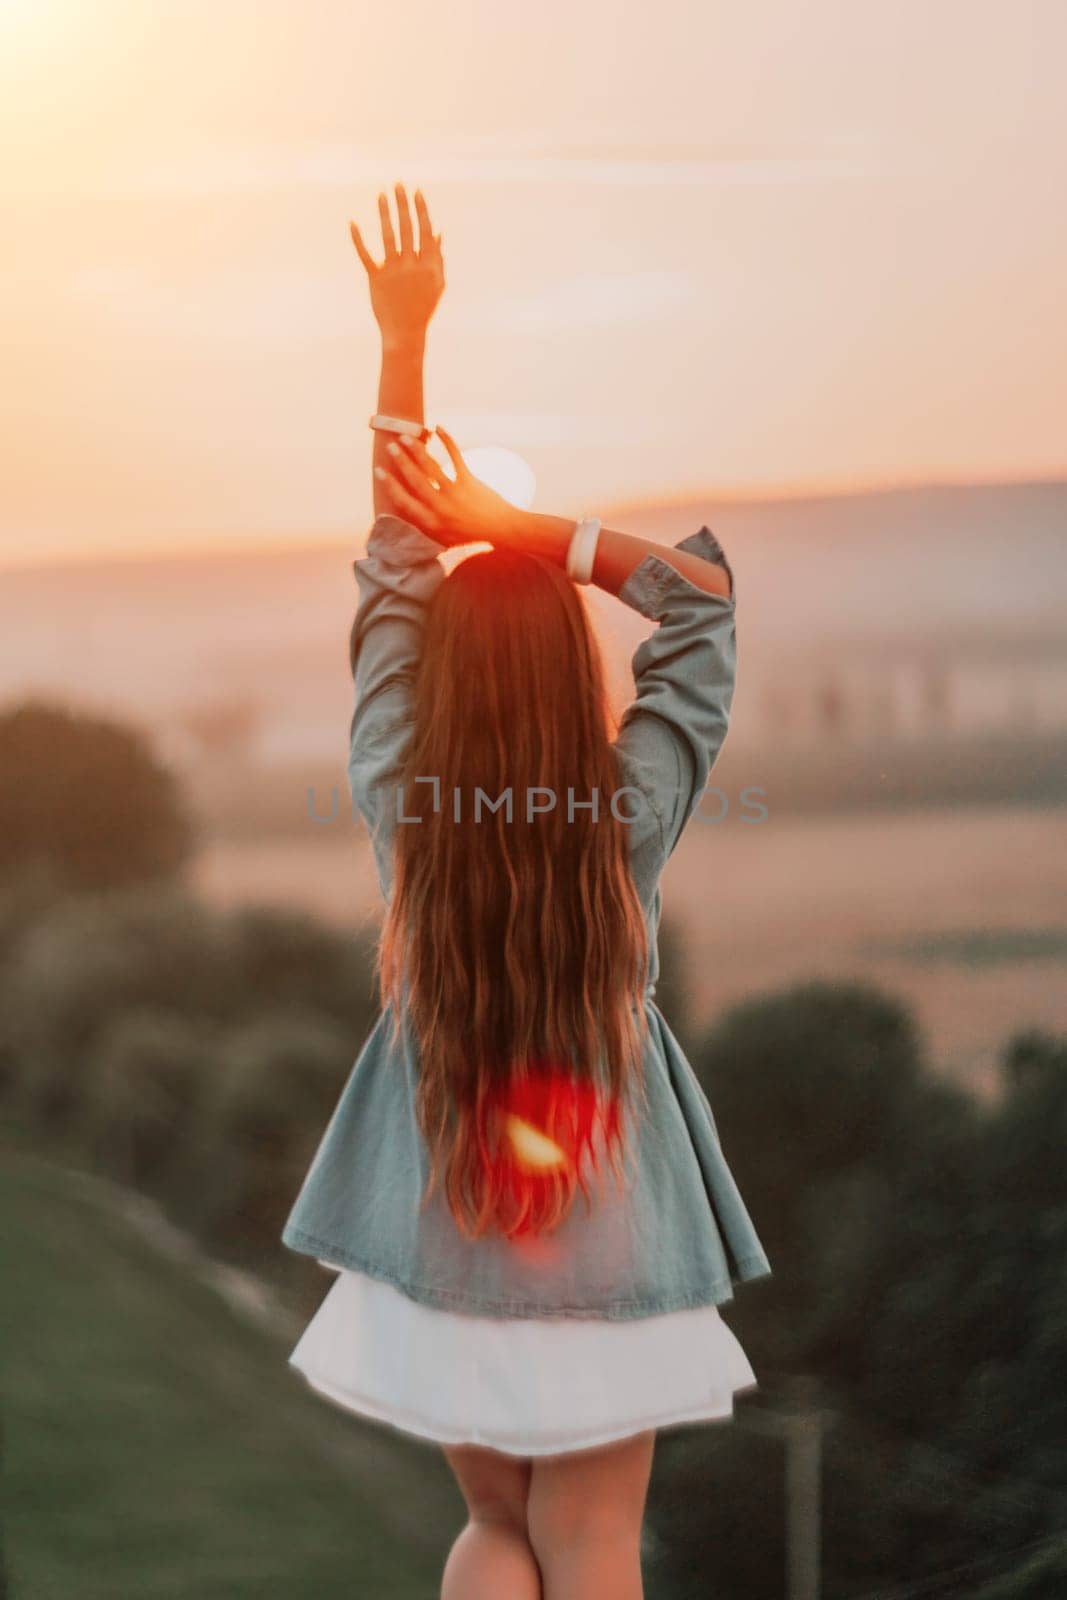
(531, 1148)
(504, 471)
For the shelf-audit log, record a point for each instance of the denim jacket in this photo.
(677, 1234)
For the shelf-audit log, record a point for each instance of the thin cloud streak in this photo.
(221, 171)
(586, 300)
(281, 309)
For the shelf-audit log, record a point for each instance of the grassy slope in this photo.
(154, 1444)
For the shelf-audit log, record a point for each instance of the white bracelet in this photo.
(401, 425)
(581, 552)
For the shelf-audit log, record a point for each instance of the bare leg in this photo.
(584, 1514)
(492, 1558)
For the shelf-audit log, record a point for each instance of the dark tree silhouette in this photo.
(87, 797)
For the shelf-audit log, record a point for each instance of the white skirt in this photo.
(527, 1386)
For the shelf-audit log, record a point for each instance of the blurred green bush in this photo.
(918, 1242)
(193, 1054)
(87, 796)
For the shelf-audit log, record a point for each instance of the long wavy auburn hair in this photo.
(520, 941)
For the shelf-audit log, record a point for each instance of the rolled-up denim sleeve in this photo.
(670, 735)
(396, 579)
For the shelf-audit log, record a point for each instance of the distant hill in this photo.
(892, 564)
(969, 576)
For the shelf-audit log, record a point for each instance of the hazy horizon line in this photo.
(181, 547)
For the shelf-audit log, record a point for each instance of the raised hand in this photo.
(459, 510)
(406, 286)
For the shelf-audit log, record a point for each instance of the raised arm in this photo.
(399, 573)
(405, 287)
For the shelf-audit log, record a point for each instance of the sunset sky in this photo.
(690, 248)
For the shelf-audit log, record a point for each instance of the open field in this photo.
(156, 1445)
(960, 912)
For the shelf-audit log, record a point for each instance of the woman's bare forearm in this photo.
(400, 394)
(617, 554)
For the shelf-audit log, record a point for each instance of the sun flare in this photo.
(505, 472)
(532, 1148)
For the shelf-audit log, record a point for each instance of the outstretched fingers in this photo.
(361, 249)
(388, 239)
(428, 241)
(427, 244)
(403, 211)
